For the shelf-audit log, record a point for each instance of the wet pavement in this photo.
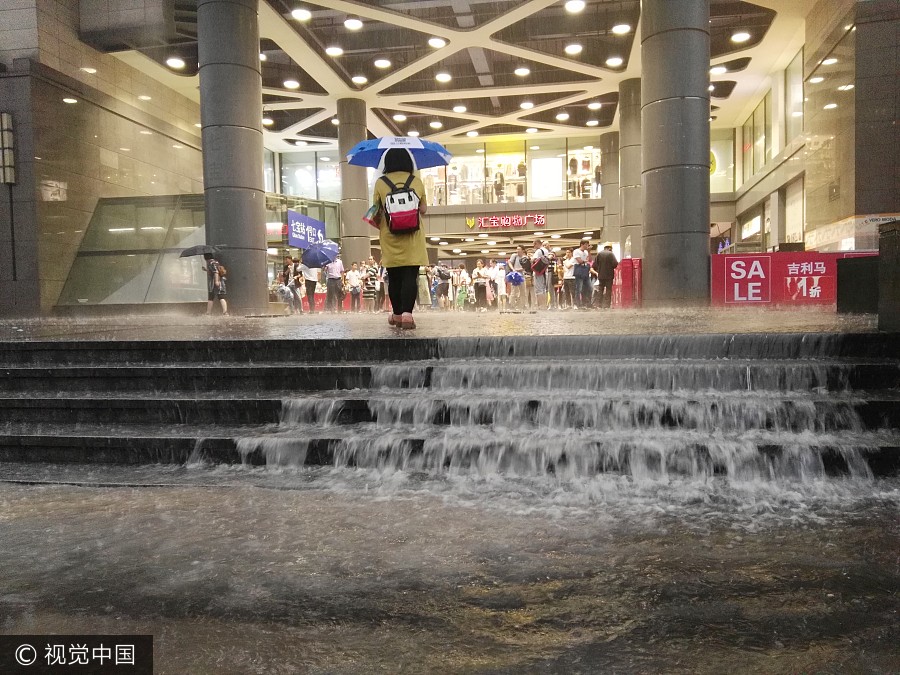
(433, 324)
(238, 569)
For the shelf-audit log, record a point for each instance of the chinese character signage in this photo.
(518, 220)
(776, 278)
(303, 230)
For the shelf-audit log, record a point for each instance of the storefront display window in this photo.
(329, 176)
(721, 160)
(583, 176)
(435, 181)
(506, 172)
(269, 170)
(546, 177)
(793, 100)
(298, 174)
(466, 176)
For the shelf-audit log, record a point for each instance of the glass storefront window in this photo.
(466, 176)
(759, 137)
(583, 169)
(435, 180)
(793, 99)
(546, 177)
(329, 176)
(747, 149)
(767, 127)
(298, 174)
(269, 170)
(505, 172)
(721, 160)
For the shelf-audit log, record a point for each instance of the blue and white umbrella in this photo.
(424, 153)
(515, 278)
(320, 254)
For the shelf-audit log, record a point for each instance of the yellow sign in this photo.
(470, 222)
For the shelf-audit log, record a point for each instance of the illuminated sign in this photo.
(517, 220)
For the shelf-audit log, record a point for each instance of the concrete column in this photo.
(889, 276)
(630, 205)
(355, 195)
(609, 187)
(231, 117)
(675, 142)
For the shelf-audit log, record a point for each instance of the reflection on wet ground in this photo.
(244, 570)
(440, 324)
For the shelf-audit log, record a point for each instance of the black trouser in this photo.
(354, 300)
(604, 293)
(403, 288)
(333, 297)
(311, 294)
(569, 292)
(480, 295)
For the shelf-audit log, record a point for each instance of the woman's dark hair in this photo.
(208, 256)
(398, 159)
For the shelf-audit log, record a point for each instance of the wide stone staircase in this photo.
(748, 406)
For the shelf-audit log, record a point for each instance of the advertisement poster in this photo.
(303, 230)
(808, 278)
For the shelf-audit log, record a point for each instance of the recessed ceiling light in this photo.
(534, 147)
(436, 124)
(555, 236)
(522, 71)
(718, 70)
(335, 121)
(573, 49)
(492, 243)
(459, 108)
(740, 36)
(352, 23)
(816, 79)
(443, 77)
(268, 121)
(197, 124)
(526, 105)
(434, 238)
(562, 117)
(382, 63)
(89, 71)
(146, 132)
(588, 234)
(472, 134)
(470, 239)
(262, 57)
(399, 117)
(359, 79)
(301, 143)
(614, 61)
(485, 250)
(301, 14)
(589, 147)
(829, 106)
(797, 113)
(594, 105)
(334, 50)
(457, 250)
(480, 151)
(437, 42)
(443, 243)
(592, 123)
(829, 61)
(574, 6)
(144, 97)
(845, 87)
(175, 62)
(531, 130)
(621, 29)
(177, 147)
(125, 149)
(325, 159)
(291, 84)
(412, 133)
(70, 100)
(712, 87)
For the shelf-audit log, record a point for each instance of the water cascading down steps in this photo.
(748, 406)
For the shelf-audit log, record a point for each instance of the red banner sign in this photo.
(808, 278)
(516, 220)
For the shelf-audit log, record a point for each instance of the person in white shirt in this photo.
(334, 285)
(514, 264)
(354, 285)
(540, 277)
(582, 271)
(569, 279)
(461, 283)
(310, 281)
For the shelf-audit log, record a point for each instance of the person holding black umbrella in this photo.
(402, 254)
(215, 284)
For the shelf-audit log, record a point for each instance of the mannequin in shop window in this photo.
(499, 186)
(574, 184)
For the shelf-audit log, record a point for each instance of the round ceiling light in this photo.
(144, 97)
(352, 23)
(262, 57)
(437, 42)
(480, 151)
(359, 79)
(70, 100)
(459, 108)
(526, 105)
(89, 71)
(829, 61)
(531, 130)
(522, 71)
(334, 50)
(534, 147)
(175, 62)
(562, 117)
(718, 70)
(740, 36)
(443, 77)
(335, 121)
(595, 105)
(614, 61)
(829, 106)
(291, 84)
(816, 79)
(413, 133)
(845, 87)
(268, 121)
(301, 14)
(574, 6)
(472, 134)
(399, 117)
(382, 63)
(712, 87)
(573, 49)
(436, 124)
(621, 29)
(592, 123)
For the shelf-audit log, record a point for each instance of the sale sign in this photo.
(808, 278)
